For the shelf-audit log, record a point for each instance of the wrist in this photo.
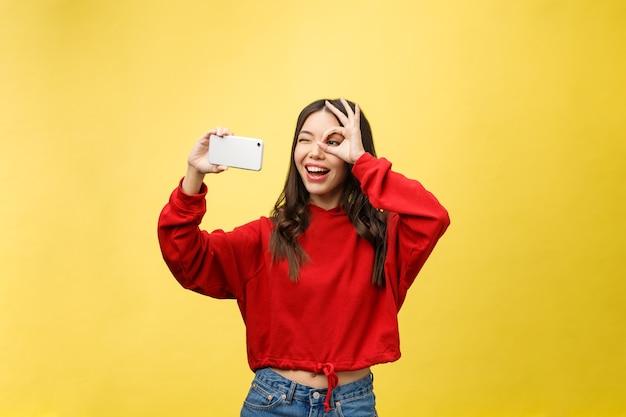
(357, 156)
(193, 181)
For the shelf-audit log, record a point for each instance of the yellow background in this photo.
(511, 112)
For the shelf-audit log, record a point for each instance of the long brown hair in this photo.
(291, 216)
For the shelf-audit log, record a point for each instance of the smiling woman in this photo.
(341, 138)
(322, 173)
(338, 195)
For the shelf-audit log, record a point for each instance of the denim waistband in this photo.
(292, 390)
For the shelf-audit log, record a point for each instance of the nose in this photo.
(316, 151)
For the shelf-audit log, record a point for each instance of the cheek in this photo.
(339, 164)
(297, 154)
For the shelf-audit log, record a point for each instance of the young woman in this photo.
(319, 283)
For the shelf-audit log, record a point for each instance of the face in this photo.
(323, 174)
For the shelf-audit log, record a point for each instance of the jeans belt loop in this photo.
(292, 391)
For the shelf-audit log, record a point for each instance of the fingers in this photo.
(340, 149)
(223, 131)
(208, 134)
(334, 129)
(353, 117)
(342, 117)
(219, 131)
(347, 107)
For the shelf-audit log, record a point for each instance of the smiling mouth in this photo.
(317, 172)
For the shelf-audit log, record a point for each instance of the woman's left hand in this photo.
(351, 148)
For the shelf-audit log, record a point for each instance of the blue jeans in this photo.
(272, 394)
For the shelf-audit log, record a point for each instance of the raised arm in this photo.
(201, 261)
(416, 221)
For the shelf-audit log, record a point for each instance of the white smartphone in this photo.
(236, 151)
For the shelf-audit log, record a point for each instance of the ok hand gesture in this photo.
(351, 148)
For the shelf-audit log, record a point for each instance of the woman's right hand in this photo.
(198, 162)
(198, 157)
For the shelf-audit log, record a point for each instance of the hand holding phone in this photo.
(236, 151)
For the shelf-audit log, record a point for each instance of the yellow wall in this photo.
(512, 113)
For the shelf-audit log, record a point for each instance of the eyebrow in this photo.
(306, 132)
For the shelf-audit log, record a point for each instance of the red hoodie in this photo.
(333, 318)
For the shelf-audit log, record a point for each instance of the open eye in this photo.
(334, 140)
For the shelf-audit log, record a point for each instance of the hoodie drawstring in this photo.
(333, 380)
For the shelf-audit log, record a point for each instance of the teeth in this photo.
(316, 169)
